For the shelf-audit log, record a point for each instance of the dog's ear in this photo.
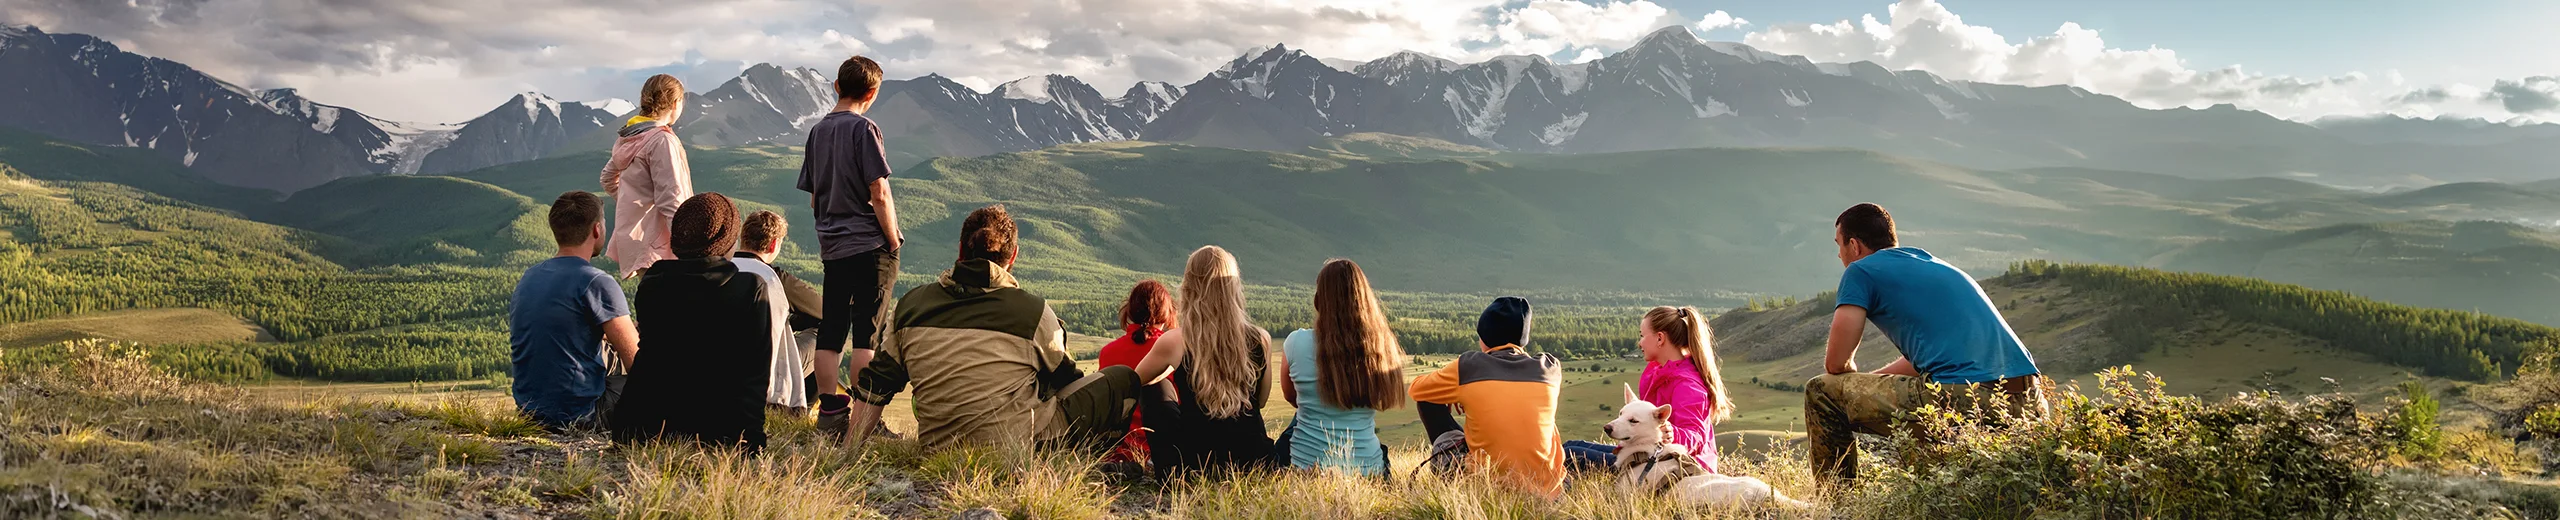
(1662, 414)
(1630, 390)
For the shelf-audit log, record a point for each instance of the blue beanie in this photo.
(1506, 322)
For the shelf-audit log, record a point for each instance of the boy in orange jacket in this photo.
(1509, 396)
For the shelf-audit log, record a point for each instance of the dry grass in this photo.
(105, 435)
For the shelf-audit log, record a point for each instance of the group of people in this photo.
(731, 336)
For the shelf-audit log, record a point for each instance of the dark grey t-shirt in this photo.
(843, 158)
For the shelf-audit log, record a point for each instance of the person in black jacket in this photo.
(709, 329)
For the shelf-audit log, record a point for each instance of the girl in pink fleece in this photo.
(1680, 373)
(647, 178)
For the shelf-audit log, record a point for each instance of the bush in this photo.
(2139, 452)
(2415, 422)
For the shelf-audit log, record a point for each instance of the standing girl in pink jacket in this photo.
(647, 178)
(1680, 373)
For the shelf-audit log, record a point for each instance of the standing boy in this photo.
(846, 172)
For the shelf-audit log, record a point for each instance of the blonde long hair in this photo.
(1358, 363)
(1219, 337)
(1687, 330)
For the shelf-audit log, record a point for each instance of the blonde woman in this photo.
(647, 178)
(1210, 417)
(1341, 373)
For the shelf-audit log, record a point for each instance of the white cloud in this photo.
(1925, 35)
(450, 60)
(1719, 20)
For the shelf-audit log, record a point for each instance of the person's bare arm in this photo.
(1160, 360)
(625, 339)
(1900, 366)
(1288, 387)
(858, 426)
(1848, 322)
(887, 209)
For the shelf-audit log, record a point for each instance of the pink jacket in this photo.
(1676, 384)
(647, 178)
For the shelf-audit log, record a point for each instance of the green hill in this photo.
(1707, 226)
(1593, 238)
(40, 157)
(2495, 267)
(420, 220)
(73, 252)
(2208, 333)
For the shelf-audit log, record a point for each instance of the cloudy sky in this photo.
(450, 60)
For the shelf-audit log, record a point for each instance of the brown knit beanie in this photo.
(706, 225)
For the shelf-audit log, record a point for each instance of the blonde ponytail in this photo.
(1686, 328)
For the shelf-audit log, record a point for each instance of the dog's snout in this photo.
(1610, 428)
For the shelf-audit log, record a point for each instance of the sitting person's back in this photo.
(973, 346)
(760, 240)
(562, 312)
(1144, 315)
(710, 331)
(1340, 374)
(1937, 315)
(1509, 397)
(1219, 367)
(988, 360)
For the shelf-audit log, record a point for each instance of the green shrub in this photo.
(2139, 452)
(2415, 422)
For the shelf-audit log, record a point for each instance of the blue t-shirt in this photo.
(843, 158)
(555, 324)
(1937, 315)
(1328, 436)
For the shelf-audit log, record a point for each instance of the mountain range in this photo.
(1668, 91)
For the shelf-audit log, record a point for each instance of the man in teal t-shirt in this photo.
(1949, 333)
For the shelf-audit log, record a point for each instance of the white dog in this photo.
(1649, 463)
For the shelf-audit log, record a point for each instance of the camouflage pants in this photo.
(1837, 407)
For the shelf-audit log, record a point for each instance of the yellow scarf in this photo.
(637, 120)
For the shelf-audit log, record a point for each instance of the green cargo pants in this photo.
(1837, 407)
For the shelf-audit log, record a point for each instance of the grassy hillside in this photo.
(1592, 238)
(75, 254)
(102, 434)
(2493, 267)
(421, 220)
(2079, 318)
(36, 156)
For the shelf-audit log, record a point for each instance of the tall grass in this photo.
(104, 434)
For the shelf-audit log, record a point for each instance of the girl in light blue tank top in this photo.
(1362, 360)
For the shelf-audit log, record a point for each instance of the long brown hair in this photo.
(1150, 307)
(1220, 337)
(1688, 330)
(1358, 363)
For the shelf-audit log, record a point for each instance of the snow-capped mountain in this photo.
(948, 118)
(1672, 90)
(84, 89)
(1276, 98)
(527, 127)
(1669, 90)
(764, 104)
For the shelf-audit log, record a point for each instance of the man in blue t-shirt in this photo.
(1957, 352)
(846, 172)
(563, 313)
